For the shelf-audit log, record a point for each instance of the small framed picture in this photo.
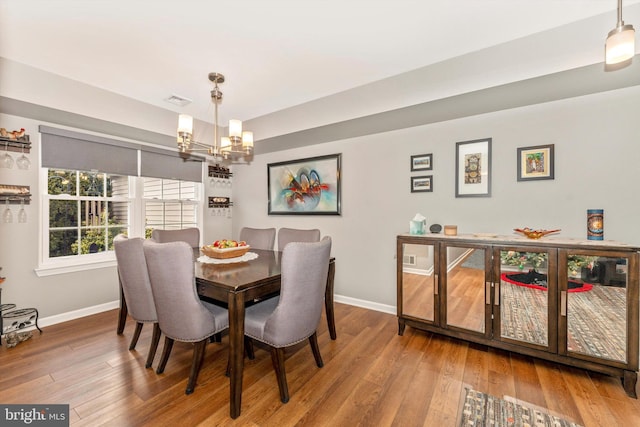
(422, 184)
(422, 162)
(535, 163)
(473, 168)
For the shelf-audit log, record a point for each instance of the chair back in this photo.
(134, 278)
(288, 235)
(181, 315)
(304, 277)
(189, 235)
(259, 238)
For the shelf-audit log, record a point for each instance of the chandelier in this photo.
(620, 42)
(238, 145)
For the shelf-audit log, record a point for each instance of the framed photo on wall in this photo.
(308, 186)
(422, 162)
(473, 168)
(535, 162)
(422, 184)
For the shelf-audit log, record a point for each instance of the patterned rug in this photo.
(596, 319)
(480, 409)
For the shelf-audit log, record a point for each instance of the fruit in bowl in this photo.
(222, 249)
(224, 244)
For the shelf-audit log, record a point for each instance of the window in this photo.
(170, 204)
(85, 210)
(94, 187)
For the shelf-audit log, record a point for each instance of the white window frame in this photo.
(60, 265)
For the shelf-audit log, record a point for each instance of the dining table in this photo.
(236, 284)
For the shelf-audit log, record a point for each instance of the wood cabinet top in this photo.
(516, 240)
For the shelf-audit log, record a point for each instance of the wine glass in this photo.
(22, 215)
(7, 160)
(23, 161)
(7, 216)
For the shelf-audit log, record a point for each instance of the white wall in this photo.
(596, 151)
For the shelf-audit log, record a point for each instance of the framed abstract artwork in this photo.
(535, 163)
(422, 162)
(422, 184)
(473, 168)
(308, 186)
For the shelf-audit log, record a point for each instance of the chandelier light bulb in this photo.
(620, 44)
(235, 128)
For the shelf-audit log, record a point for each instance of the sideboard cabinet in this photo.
(565, 300)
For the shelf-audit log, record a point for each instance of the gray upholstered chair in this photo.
(288, 235)
(293, 316)
(136, 287)
(259, 238)
(189, 235)
(181, 314)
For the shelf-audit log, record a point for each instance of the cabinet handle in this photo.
(497, 294)
(563, 303)
(435, 284)
(487, 293)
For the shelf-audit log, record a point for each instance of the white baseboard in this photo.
(76, 314)
(384, 308)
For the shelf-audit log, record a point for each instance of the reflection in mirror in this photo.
(524, 299)
(597, 306)
(466, 288)
(418, 281)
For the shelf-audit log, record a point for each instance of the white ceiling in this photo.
(274, 53)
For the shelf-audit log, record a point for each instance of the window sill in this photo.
(72, 267)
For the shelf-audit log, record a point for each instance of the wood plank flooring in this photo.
(371, 377)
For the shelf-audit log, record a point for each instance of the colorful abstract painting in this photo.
(306, 186)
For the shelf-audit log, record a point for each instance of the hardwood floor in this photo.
(371, 377)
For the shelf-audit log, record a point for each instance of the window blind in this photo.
(65, 149)
(160, 165)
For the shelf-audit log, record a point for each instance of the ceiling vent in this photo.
(178, 100)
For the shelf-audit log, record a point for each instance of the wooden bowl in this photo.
(225, 253)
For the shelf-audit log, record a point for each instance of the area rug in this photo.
(475, 260)
(535, 280)
(596, 320)
(480, 409)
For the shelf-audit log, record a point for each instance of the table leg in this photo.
(328, 300)
(236, 351)
(122, 314)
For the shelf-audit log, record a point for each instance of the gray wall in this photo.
(596, 151)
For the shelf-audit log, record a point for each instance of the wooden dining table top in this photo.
(238, 276)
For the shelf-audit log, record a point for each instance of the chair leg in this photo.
(313, 341)
(216, 337)
(166, 351)
(155, 338)
(248, 346)
(196, 364)
(136, 335)
(277, 358)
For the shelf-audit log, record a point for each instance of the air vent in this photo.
(178, 100)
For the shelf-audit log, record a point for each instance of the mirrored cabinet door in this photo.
(525, 296)
(419, 281)
(593, 301)
(466, 290)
